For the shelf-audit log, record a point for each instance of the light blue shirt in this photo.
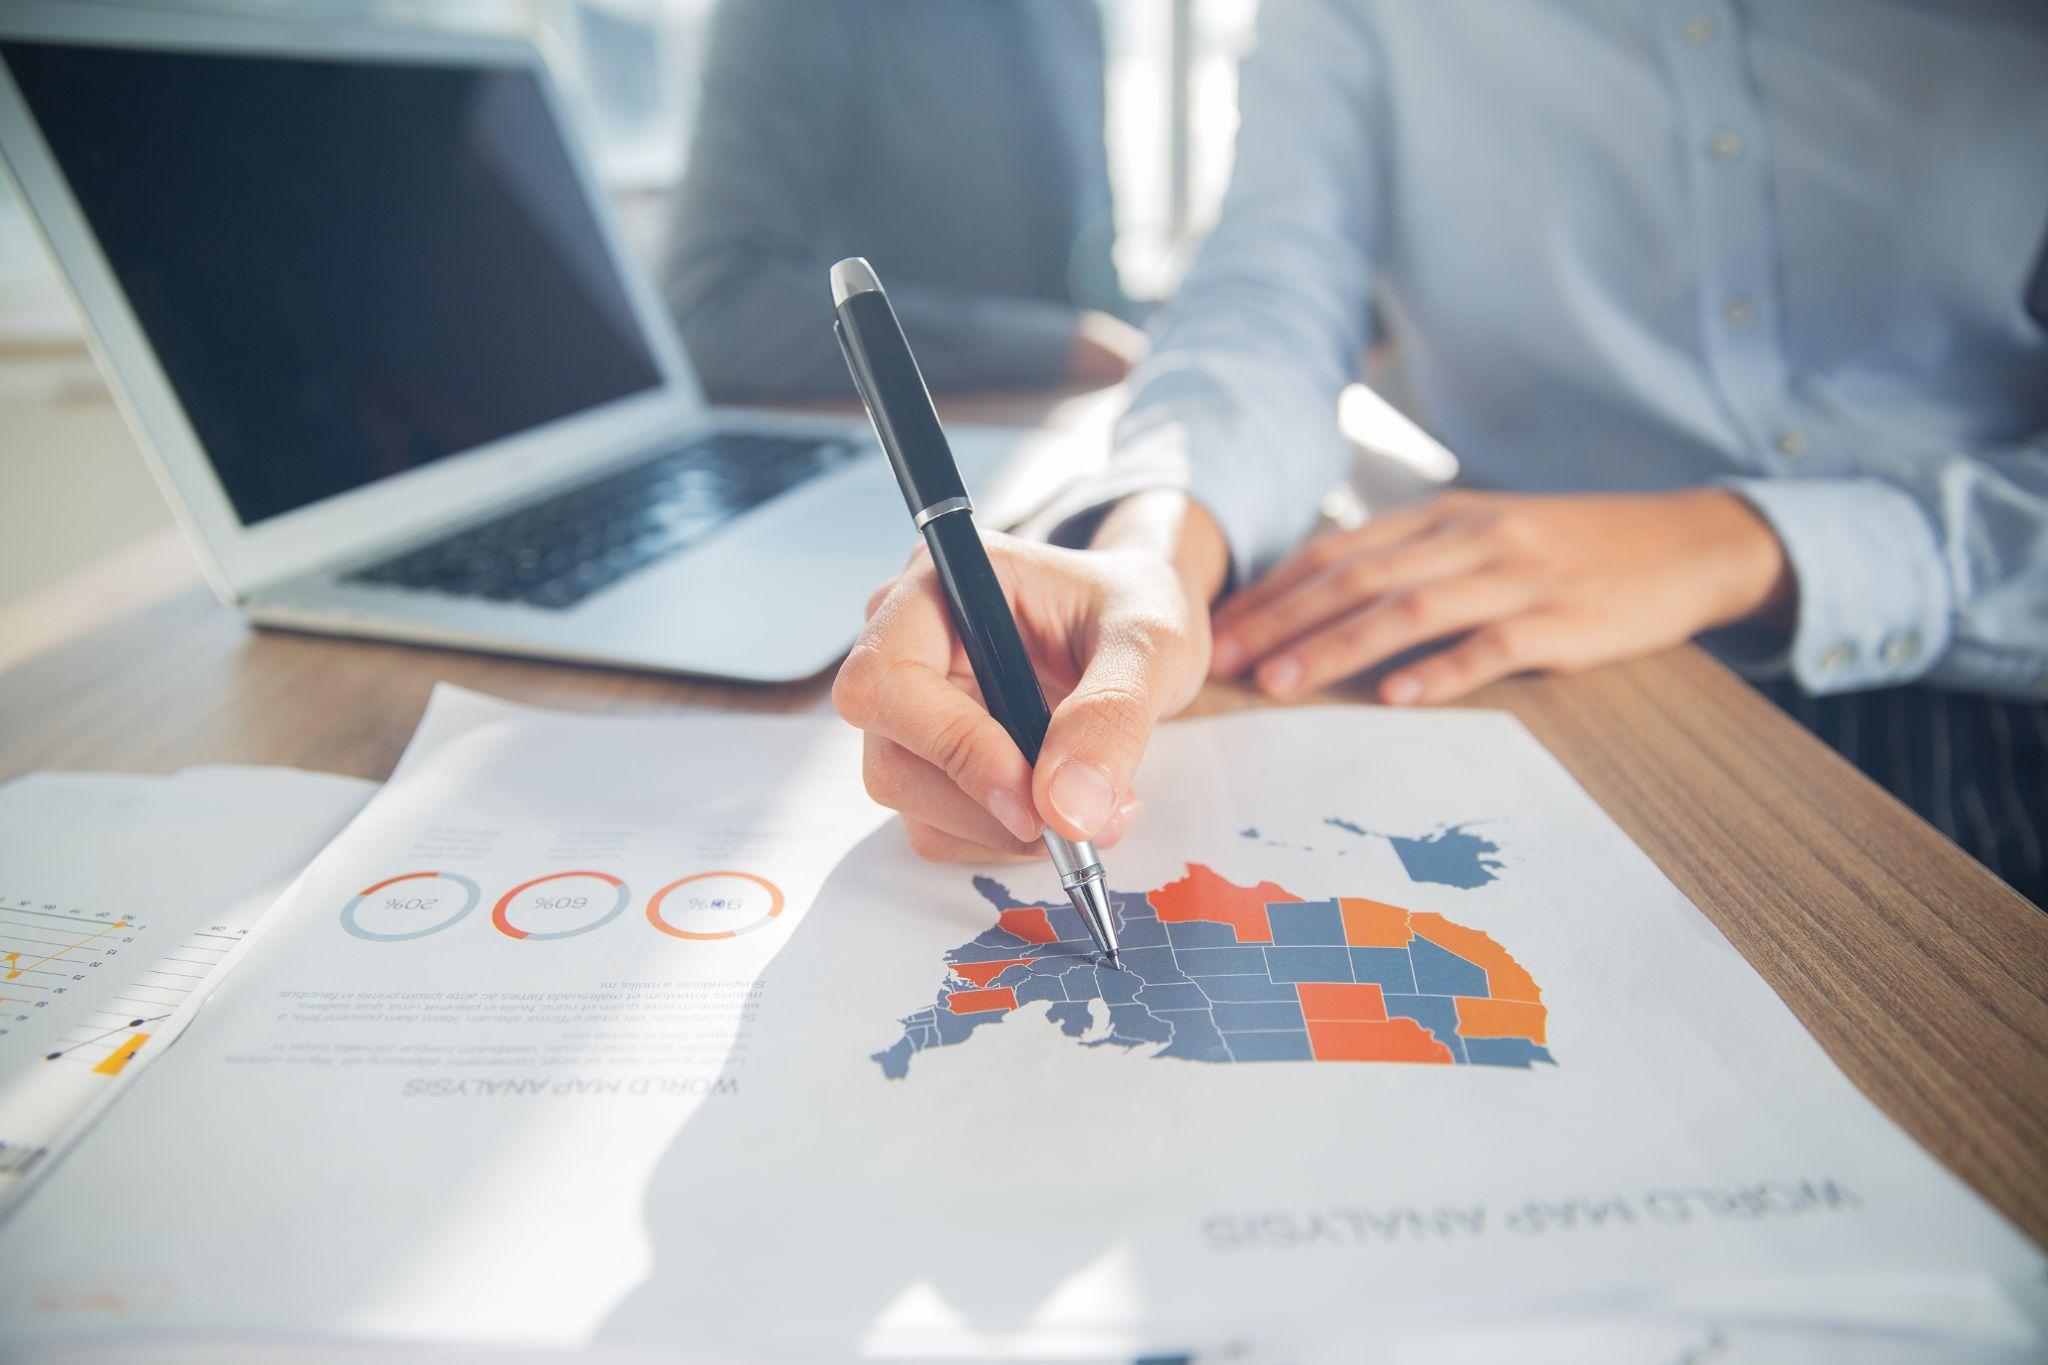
(1793, 249)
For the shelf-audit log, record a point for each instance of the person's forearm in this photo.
(1179, 530)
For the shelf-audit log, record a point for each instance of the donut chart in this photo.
(501, 914)
(717, 905)
(389, 920)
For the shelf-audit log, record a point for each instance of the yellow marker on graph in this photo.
(121, 1055)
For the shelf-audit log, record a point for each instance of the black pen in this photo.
(907, 425)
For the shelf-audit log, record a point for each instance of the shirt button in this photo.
(1739, 311)
(1789, 442)
(1701, 29)
(1839, 658)
(1902, 648)
(1724, 145)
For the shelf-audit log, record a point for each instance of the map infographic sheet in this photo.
(652, 1033)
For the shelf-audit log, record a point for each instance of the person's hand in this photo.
(1503, 584)
(1119, 636)
(1102, 351)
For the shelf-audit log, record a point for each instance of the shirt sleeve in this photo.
(1237, 403)
(745, 266)
(1938, 573)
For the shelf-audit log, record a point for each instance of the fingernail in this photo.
(1229, 657)
(1109, 834)
(1401, 690)
(1012, 814)
(1281, 676)
(1082, 796)
(1130, 810)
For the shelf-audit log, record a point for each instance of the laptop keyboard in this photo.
(559, 550)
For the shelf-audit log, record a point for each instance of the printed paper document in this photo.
(652, 1031)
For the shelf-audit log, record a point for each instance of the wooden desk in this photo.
(1924, 977)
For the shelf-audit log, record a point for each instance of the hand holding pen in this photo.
(1118, 635)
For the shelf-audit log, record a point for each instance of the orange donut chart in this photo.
(774, 906)
(500, 918)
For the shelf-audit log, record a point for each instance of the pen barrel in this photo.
(988, 632)
(897, 400)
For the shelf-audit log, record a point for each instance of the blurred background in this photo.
(73, 489)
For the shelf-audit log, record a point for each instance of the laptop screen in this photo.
(347, 269)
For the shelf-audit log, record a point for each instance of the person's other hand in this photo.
(1103, 350)
(1503, 584)
(1119, 636)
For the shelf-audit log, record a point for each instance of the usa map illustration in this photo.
(1217, 972)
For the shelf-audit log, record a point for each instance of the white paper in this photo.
(121, 898)
(758, 1169)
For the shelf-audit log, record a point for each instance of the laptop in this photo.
(370, 317)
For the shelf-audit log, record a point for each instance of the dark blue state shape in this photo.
(1440, 972)
(1131, 1025)
(1297, 922)
(1387, 968)
(991, 946)
(1033, 989)
(896, 1060)
(1067, 924)
(1308, 964)
(1116, 988)
(1269, 1047)
(1180, 995)
(1452, 856)
(1151, 964)
(1269, 1014)
(1194, 1036)
(1435, 1013)
(1244, 988)
(1073, 1018)
(1507, 1052)
(996, 894)
(1200, 933)
(1218, 961)
(954, 1028)
(1140, 931)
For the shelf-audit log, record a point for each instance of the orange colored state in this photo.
(1505, 978)
(1499, 1018)
(981, 973)
(1338, 1000)
(1396, 1040)
(1202, 895)
(1028, 923)
(975, 1002)
(1372, 924)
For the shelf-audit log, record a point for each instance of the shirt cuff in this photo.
(1157, 456)
(1875, 600)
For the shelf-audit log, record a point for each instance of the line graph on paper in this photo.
(50, 956)
(83, 990)
(105, 1040)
